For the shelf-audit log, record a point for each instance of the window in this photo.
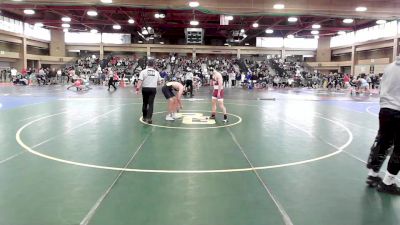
(269, 42)
(398, 28)
(11, 25)
(37, 32)
(276, 42)
(342, 40)
(388, 29)
(300, 43)
(82, 37)
(111, 38)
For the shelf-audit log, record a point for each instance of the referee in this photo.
(189, 81)
(148, 80)
(388, 134)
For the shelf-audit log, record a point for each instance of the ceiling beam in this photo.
(68, 15)
(263, 31)
(156, 24)
(110, 18)
(309, 26)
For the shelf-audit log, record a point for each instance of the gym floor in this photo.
(285, 157)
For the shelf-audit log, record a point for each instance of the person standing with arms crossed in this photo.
(148, 80)
(388, 134)
(218, 95)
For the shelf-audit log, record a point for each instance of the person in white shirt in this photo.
(242, 78)
(388, 134)
(14, 72)
(59, 73)
(232, 77)
(99, 69)
(189, 81)
(41, 72)
(148, 81)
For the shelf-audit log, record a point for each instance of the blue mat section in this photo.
(15, 102)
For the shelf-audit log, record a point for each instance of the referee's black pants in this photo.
(148, 95)
(189, 85)
(388, 135)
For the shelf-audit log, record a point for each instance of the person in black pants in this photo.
(148, 96)
(189, 81)
(111, 82)
(388, 134)
(189, 86)
(148, 80)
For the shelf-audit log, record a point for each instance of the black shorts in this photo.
(189, 83)
(167, 91)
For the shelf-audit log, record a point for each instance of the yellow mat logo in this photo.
(195, 119)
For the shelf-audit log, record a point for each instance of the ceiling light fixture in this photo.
(92, 13)
(94, 31)
(131, 21)
(290, 36)
(255, 25)
(116, 27)
(247, 44)
(361, 9)
(106, 1)
(65, 25)
(159, 16)
(29, 11)
(292, 19)
(242, 31)
(279, 6)
(194, 4)
(194, 22)
(66, 19)
(229, 17)
(341, 32)
(316, 26)
(314, 32)
(348, 21)
(269, 31)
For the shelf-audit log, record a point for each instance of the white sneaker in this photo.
(169, 118)
(175, 116)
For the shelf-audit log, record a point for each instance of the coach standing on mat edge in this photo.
(389, 132)
(148, 80)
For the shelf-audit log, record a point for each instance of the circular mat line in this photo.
(29, 149)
